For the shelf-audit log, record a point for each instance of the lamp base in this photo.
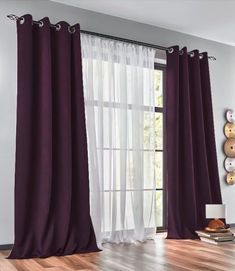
(216, 224)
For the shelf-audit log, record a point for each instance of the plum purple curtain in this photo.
(52, 215)
(192, 171)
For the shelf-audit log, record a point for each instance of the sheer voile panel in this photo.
(119, 102)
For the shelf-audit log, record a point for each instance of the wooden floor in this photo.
(155, 255)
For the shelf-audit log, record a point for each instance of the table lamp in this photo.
(215, 212)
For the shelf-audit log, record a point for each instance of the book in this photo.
(215, 242)
(221, 239)
(214, 234)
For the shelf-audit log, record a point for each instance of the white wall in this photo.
(222, 79)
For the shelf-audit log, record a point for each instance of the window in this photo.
(114, 108)
(161, 208)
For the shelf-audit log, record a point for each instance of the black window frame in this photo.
(162, 67)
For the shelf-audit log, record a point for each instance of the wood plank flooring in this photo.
(154, 255)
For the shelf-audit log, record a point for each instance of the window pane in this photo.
(117, 168)
(158, 131)
(112, 203)
(130, 171)
(148, 86)
(159, 169)
(158, 86)
(149, 181)
(159, 208)
(110, 160)
(149, 131)
(115, 201)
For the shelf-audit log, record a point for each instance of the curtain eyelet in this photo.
(181, 52)
(170, 50)
(22, 20)
(200, 56)
(71, 29)
(191, 54)
(58, 27)
(41, 24)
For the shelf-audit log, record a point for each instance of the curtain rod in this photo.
(17, 18)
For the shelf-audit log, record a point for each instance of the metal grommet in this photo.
(22, 20)
(181, 52)
(41, 24)
(58, 27)
(71, 29)
(200, 56)
(211, 57)
(13, 17)
(170, 50)
(191, 54)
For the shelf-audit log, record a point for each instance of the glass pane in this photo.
(159, 169)
(111, 173)
(106, 90)
(159, 208)
(114, 202)
(158, 131)
(109, 119)
(105, 124)
(130, 171)
(149, 211)
(117, 168)
(158, 86)
(149, 130)
(149, 180)
(135, 203)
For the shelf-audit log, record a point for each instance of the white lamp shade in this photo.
(215, 210)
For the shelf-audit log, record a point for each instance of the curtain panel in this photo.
(119, 102)
(52, 213)
(192, 170)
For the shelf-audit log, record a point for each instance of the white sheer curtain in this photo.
(119, 97)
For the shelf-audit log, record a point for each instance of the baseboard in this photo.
(9, 246)
(6, 247)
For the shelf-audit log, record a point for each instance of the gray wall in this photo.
(222, 79)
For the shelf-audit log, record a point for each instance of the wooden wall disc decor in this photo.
(230, 115)
(229, 130)
(230, 178)
(229, 147)
(229, 164)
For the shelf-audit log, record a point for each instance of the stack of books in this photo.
(217, 238)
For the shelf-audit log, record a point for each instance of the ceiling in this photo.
(209, 19)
